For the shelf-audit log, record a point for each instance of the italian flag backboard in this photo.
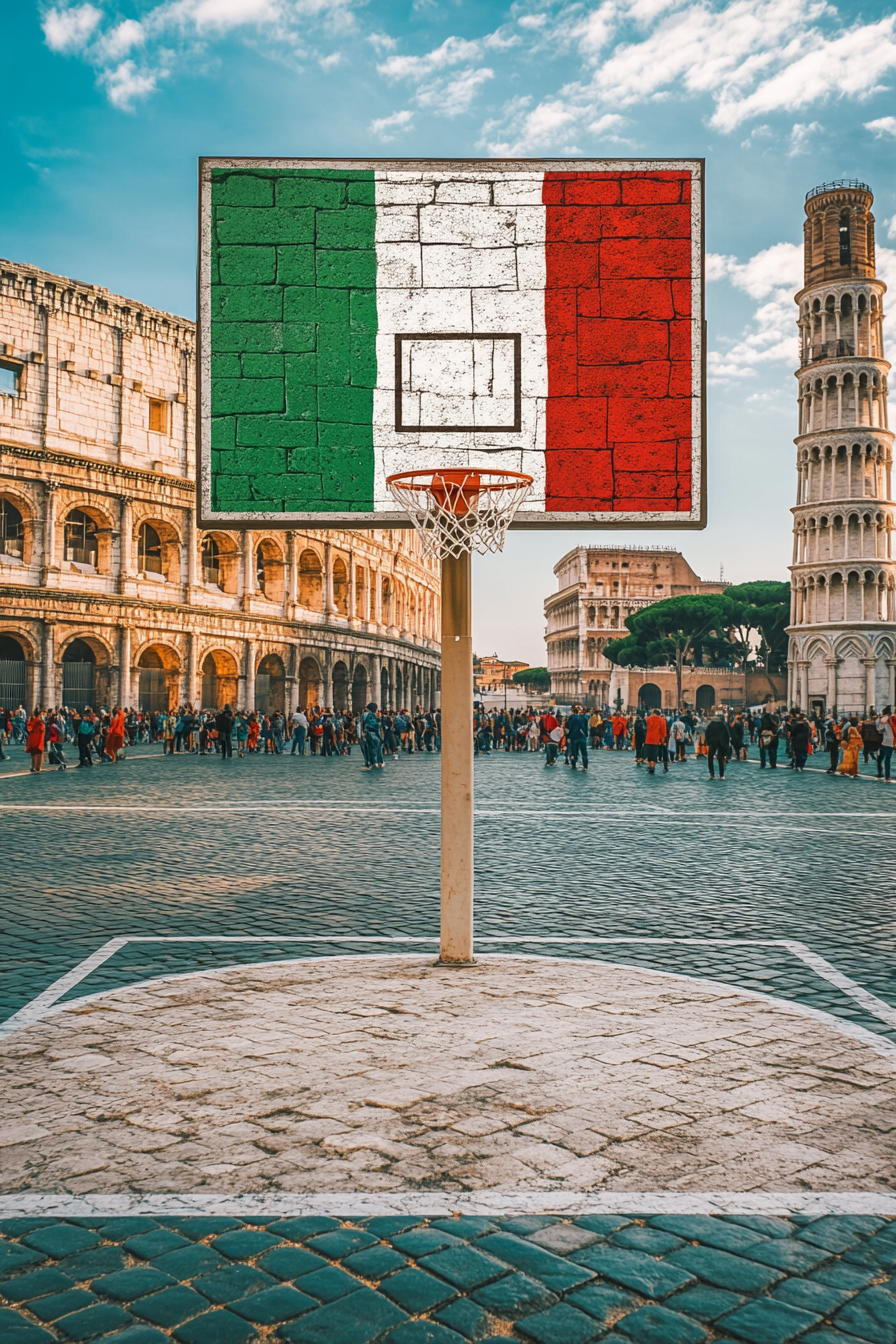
(364, 317)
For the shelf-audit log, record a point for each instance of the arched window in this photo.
(650, 696)
(149, 550)
(211, 562)
(80, 539)
(12, 530)
(259, 572)
(844, 238)
(705, 699)
(311, 581)
(846, 305)
(12, 673)
(78, 675)
(340, 588)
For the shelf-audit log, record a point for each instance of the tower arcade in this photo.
(843, 577)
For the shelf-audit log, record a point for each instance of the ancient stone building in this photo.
(110, 594)
(597, 587)
(843, 576)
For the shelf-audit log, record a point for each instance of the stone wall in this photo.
(97, 407)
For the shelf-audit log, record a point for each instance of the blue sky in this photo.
(110, 104)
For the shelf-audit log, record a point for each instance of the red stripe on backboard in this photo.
(617, 317)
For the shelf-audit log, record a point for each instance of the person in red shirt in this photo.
(551, 733)
(657, 732)
(620, 723)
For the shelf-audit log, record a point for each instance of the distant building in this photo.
(597, 588)
(109, 591)
(492, 674)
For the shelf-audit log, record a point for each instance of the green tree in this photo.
(533, 679)
(668, 633)
(762, 606)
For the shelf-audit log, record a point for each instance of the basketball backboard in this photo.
(364, 317)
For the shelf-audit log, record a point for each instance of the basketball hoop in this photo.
(460, 509)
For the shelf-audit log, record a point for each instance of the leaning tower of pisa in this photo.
(842, 653)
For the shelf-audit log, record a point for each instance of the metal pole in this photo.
(456, 947)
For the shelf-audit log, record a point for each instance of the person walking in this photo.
(718, 744)
(620, 723)
(55, 740)
(886, 726)
(242, 733)
(35, 735)
(299, 731)
(224, 725)
(851, 742)
(551, 733)
(832, 743)
(655, 740)
(577, 737)
(799, 741)
(736, 734)
(677, 736)
(86, 731)
(372, 732)
(768, 741)
(639, 737)
(871, 738)
(114, 742)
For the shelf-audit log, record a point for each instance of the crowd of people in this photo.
(656, 738)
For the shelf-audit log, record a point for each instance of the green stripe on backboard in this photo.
(293, 340)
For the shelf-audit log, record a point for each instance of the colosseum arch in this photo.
(16, 527)
(156, 549)
(220, 680)
(269, 570)
(309, 683)
(360, 696)
(340, 685)
(17, 671)
(270, 685)
(650, 696)
(220, 555)
(86, 672)
(158, 678)
(87, 537)
(340, 586)
(311, 581)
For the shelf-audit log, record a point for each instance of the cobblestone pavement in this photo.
(397, 1075)
(285, 847)
(316, 1280)
(772, 883)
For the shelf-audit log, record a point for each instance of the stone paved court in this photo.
(682, 1135)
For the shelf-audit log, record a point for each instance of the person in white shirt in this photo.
(885, 726)
(299, 731)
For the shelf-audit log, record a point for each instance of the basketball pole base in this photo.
(456, 941)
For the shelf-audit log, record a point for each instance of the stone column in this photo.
(48, 666)
(329, 604)
(250, 675)
(832, 664)
(49, 565)
(291, 587)
(891, 681)
(870, 678)
(124, 667)
(290, 692)
(125, 542)
(790, 677)
(248, 584)
(352, 603)
(190, 671)
(191, 552)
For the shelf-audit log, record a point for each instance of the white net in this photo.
(460, 509)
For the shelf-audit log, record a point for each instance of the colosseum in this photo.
(110, 593)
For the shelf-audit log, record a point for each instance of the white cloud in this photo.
(68, 30)
(773, 276)
(885, 259)
(330, 62)
(882, 126)
(117, 42)
(453, 96)
(801, 135)
(126, 84)
(453, 51)
(387, 127)
(749, 58)
(891, 227)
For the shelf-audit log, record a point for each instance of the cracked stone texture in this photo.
(393, 1074)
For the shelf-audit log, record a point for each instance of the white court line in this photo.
(38, 1007)
(44, 1003)
(880, 1044)
(364, 810)
(491, 1203)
